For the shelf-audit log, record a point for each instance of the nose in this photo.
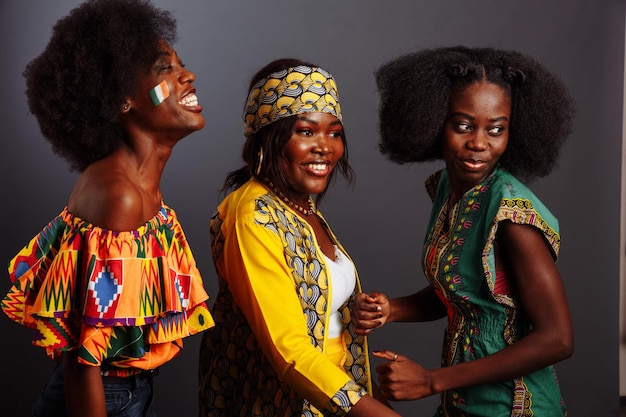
(322, 144)
(186, 76)
(479, 141)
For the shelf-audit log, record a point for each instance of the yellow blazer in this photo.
(265, 356)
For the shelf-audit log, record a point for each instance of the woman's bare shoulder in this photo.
(107, 198)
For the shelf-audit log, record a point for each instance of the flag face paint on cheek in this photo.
(160, 93)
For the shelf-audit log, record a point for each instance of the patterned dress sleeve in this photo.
(514, 202)
(123, 299)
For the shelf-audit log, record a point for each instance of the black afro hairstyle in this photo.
(415, 92)
(77, 86)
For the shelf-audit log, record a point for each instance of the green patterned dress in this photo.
(484, 312)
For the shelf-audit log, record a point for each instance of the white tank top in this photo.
(342, 280)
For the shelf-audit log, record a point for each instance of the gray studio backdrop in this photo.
(381, 220)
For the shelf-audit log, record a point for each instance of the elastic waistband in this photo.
(137, 377)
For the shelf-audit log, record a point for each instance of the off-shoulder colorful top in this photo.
(123, 299)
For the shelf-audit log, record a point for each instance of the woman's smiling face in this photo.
(178, 112)
(311, 154)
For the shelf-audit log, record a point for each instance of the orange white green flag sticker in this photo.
(160, 93)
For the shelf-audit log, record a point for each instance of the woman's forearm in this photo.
(531, 353)
(84, 393)
(423, 305)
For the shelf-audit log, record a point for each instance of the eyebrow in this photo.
(166, 53)
(161, 56)
(492, 119)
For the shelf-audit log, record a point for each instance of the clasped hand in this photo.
(399, 378)
(369, 311)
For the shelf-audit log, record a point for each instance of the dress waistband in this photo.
(149, 374)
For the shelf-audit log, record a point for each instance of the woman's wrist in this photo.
(435, 380)
(390, 315)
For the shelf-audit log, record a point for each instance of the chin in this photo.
(313, 190)
(318, 188)
(199, 126)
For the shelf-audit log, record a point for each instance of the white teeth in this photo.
(189, 100)
(318, 167)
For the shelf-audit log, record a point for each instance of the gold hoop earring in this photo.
(260, 164)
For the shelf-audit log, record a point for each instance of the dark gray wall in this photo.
(381, 221)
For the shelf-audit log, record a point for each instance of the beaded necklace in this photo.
(282, 196)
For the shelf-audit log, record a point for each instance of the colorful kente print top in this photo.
(123, 299)
(484, 314)
(265, 356)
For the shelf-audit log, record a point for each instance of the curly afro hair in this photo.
(415, 92)
(77, 86)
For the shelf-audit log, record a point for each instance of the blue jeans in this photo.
(126, 397)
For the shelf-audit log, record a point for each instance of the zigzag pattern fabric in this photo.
(124, 299)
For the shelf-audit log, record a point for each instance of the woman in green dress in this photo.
(492, 116)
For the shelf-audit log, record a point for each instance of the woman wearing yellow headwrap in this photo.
(283, 344)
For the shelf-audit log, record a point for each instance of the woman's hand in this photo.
(401, 379)
(369, 311)
(523, 250)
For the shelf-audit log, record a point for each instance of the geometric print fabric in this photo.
(80, 286)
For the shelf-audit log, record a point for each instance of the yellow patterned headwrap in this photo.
(289, 92)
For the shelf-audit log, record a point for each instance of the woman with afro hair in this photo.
(494, 117)
(110, 286)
